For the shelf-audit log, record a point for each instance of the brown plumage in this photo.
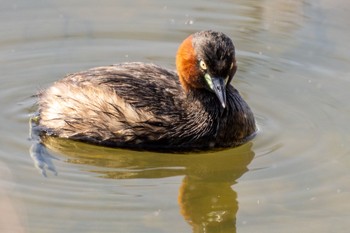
(144, 106)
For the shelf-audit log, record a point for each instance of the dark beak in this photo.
(219, 89)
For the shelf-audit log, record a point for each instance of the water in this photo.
(293, 71)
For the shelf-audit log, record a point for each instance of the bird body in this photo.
(143, 106)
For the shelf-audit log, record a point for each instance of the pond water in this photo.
(293, 70)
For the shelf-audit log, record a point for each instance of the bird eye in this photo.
(203, 65)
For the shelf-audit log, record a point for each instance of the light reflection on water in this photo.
(206, 198)
(293, 71)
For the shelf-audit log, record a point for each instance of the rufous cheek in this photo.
(186, 64)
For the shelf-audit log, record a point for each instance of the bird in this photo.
(142, 106)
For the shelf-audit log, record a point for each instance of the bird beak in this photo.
(217, 85)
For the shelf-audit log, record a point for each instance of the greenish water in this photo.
(293, 70)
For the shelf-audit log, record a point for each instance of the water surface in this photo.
(293, 71)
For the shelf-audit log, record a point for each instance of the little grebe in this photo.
(143, 106)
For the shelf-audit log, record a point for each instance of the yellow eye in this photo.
(203, 65)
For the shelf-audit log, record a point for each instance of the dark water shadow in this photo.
(206, 198)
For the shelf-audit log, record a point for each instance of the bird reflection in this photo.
(206, 198)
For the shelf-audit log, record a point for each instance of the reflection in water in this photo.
(206, 198)
(208, 206)
(293, 71)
